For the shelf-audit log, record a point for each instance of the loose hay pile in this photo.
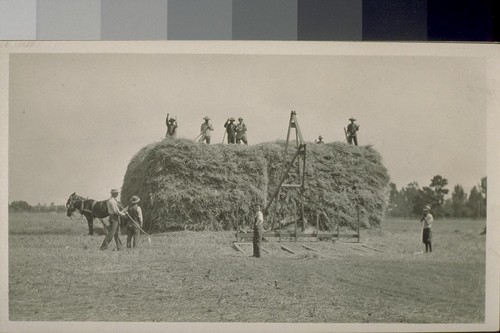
(186, 185)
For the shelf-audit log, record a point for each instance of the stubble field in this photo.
(56, 272)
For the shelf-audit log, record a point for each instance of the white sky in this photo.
(76, 120)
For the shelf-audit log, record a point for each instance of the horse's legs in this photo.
(90, 221)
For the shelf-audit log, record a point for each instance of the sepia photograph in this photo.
(318, 186)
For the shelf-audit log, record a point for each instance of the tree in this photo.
(459, 202)
(475, 202)
(20, 206)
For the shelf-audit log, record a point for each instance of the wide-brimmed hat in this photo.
(427, 208)
(231, 119)
(171, 119)
(206, 118)
(135, 199)
(240, 118)
(352, 119)
(115, 191)
(320, 137)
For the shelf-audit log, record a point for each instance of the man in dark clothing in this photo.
(352, 129)
(230, 130)
(258, 230)
(171, 127)
(320, 140)
(133, 225)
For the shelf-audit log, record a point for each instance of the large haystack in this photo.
(184, 184)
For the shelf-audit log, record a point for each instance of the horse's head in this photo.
(70, 204)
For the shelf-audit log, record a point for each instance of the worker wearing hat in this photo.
(114, 221)
(206, 130)
(352, 130)
(135, 221)
(258, 230)
(171, 127)
(320, 140)
(230, 130)
(241, 132)
(426, 229)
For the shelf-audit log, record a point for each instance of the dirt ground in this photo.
(56, 272)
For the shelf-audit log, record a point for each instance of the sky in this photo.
(76, 120)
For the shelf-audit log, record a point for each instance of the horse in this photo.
(89, 208)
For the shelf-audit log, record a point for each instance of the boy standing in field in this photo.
(135, 213)
(258, 230)
(426, 231)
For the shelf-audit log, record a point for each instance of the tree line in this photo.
(23, 206)
(410, 200)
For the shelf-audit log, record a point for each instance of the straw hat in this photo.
(231, 119)
(115, 191)
(206, 118)
(135, 199)
(320, 137)
(352, 119)
(427, 208)
(240, 118)
(171, 120)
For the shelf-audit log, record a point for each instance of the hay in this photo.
(187, 185)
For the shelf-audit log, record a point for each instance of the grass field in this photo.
(56, 272)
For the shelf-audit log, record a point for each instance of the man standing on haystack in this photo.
(206, 130)
(171, 127)
(135, 213)
(114, 221)
(320, 140)
(258, 230)
(352, 130)
(241, 132)
(426, 229)
(230, 130)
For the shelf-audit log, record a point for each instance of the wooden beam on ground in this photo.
(309, 248)
(286, 249)
(371, 248)
(239, 248)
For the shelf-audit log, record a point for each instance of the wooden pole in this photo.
(237, 228)
(357, 208)
(317, 227)
(295, 218)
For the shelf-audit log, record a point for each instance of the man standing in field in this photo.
(258, 230)
(171, 127)
(352, 130)
(230, 130)
(114, 221)
(206, 130)
(241, 132)
(426, 231)
(135, 213)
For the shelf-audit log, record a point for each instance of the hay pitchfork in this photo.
(136, 224)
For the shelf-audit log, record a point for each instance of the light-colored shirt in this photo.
(241, 130)
(259, 218)
(206, 129)
(112, 205)
(427, 219)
